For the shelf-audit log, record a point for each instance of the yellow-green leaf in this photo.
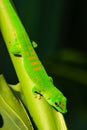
(12, 111)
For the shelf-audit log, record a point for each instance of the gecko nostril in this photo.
(63, 105)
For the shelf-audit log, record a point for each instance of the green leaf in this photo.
(12, 111)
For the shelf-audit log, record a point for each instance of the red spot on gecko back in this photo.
(27, 53)
(14, 33)
(32, 52)
(35, 62)
(32, 58)
(37, 68)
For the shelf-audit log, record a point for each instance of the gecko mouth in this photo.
(58, 106)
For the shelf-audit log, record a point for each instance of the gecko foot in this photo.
(38, 96)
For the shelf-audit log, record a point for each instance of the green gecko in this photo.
(43, 84)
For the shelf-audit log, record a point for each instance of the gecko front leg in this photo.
(36, 92)
(15, 48)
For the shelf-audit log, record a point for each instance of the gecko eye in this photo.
(56, 104)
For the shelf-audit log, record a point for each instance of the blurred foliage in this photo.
(12, 112)
(59, 28)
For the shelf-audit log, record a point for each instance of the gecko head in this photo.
(59, 103)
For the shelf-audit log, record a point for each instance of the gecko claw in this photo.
(38, 96)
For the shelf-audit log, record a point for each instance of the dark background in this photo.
(60, 28)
